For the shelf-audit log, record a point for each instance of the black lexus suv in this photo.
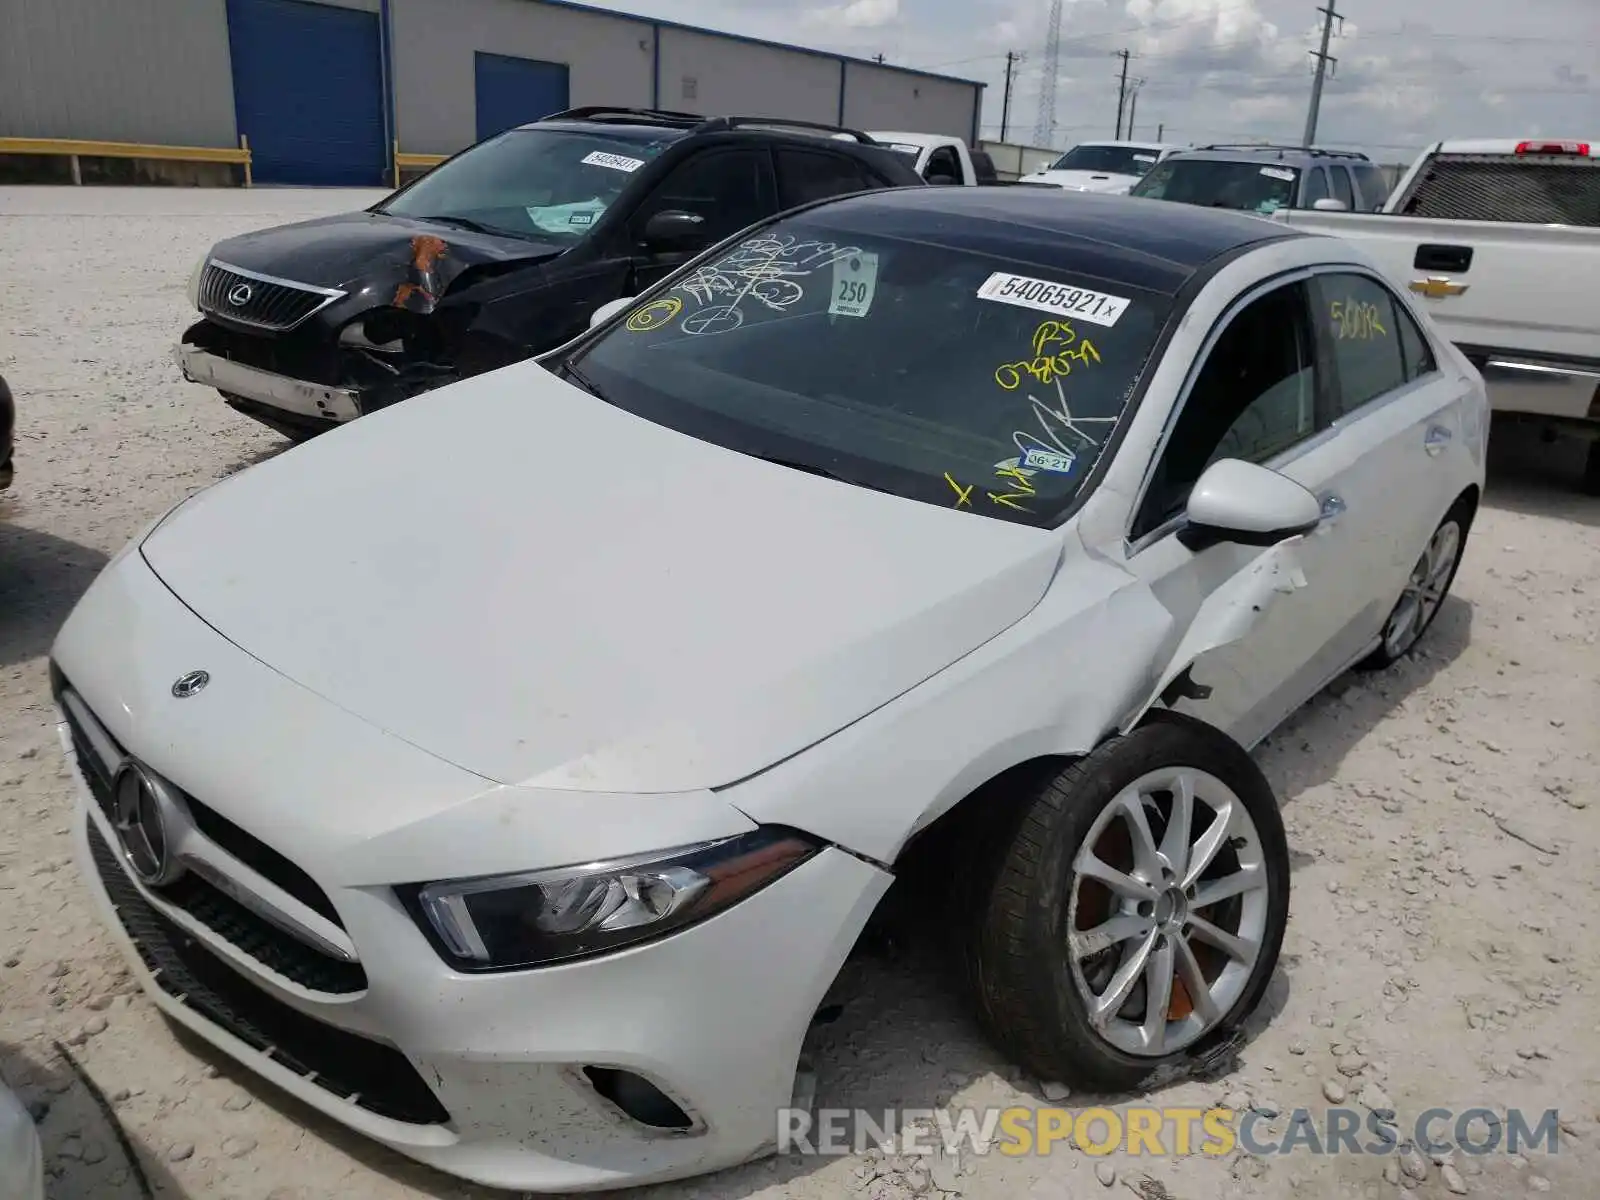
(500, 253)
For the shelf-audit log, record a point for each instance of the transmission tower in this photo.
(1044, 130)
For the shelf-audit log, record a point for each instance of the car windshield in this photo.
(919, 362)
(532, 183)
(1115, 160)
(1250, 186)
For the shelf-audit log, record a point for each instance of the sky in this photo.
(1409, 72)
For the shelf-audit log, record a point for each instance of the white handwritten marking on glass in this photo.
(855, 280)
(617, 162)
(1060, 298)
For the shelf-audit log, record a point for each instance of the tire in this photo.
(1429, 597)
(1589, 485)
(1032, 973)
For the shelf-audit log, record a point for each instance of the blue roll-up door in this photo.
(514, 91)
(308, 91)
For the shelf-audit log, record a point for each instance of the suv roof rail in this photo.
(1313, 152)
(716, 123)
(610, 114)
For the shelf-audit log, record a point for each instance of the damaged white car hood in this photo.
(543, 589)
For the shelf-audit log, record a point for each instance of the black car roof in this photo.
(1151, 244)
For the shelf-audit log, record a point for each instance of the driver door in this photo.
(1260, 394)
(728, 188)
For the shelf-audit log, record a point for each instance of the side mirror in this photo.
(1329, 204)
(674, 230)
(609, 309)
(1240, 502)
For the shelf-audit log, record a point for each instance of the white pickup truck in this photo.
(939, 158)
(1501, 240)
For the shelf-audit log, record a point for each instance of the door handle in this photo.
(1438, 438)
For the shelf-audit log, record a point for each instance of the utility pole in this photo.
(1323, 59)
(1133, 104)
(1122, 86)
(878, 58)
(1012, 59)
(1161, 132)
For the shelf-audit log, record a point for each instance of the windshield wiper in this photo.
(582, 380)
(469, 224)
(824, 472)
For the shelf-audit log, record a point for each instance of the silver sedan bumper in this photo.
(295, 396)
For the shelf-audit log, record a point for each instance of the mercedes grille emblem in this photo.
(239, 295)
(190, 684)
(141, 805)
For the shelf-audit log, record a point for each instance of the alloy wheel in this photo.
(1168, 911)
(1424, 591)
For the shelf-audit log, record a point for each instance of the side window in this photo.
(943, 161)
(1363, 330)
(1316, 186)
(1414, 347)
(807, 175)
(1254, 397)
(1374, 190)
(1341, 188)
(724, 187)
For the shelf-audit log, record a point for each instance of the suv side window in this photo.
(1370, 183)
(726, 188)
(1254, 397)
(807, 175)
(1316, 186)
(943, 161)
(1341, 188)
(1364, 329)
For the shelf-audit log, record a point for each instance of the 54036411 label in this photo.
(1060, 298)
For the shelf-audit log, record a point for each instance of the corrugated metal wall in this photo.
(159, 71)
(434, 41)
(707, 74)
(881, 98)
(117, 70)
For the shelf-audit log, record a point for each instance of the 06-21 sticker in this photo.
(1060, 298)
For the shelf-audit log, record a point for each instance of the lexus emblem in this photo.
(140, 816)
(239, 295)
(191, 684)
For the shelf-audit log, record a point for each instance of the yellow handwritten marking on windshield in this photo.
(655, 314)
(1357, 320)
(1019, 483)
(963, 494)
(1052, 356)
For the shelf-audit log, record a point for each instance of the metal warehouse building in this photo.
(325, 90)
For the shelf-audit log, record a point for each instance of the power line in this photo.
(1323, 59)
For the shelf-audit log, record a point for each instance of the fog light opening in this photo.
(637, 1097)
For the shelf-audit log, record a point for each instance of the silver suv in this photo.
(1262, 179)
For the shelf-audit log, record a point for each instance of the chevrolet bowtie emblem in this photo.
(1436, 286)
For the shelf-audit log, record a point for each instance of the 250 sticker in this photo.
(1047, 296)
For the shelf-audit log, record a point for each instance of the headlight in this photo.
(194, 281)
(502, 922)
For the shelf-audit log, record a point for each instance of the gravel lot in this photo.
(1445, 820)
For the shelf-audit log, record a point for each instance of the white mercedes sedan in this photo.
(508, 774)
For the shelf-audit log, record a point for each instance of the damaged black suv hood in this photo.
(403, 261)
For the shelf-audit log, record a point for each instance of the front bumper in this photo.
(477, 1075)
(298, 398)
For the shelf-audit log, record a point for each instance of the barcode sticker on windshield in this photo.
(1278, 173)
(855, 279)
(599, 158)
(1060, 298)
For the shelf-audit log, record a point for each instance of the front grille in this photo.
(1484, 187)
(232, 296)
(219, 912)
(368, 1074)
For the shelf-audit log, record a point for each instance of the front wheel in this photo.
(1133, 918)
